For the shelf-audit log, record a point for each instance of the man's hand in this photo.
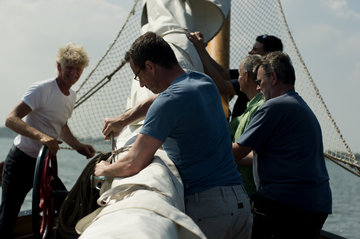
(86, 150)
(197, 40)
(113, 125)
(100, 168)
(51, 143)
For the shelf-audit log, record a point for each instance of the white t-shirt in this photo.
(50, 111)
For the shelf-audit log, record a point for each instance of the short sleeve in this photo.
(259, 129)
(161, 118)
(33, 96)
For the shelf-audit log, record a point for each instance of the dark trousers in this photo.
(18, 176)
(277, 221)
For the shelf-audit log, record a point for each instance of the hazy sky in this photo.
(327, 33)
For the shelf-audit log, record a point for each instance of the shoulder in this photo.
(45, 84)
(38, 93)
(197, 77)
(284, 100)
(287, 106)
(40, 87)
(72, 93)
(196, 74)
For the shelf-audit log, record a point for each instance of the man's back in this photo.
(194, 130)
(289, 152)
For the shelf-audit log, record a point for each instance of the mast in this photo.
(219, 50)
(219, 46)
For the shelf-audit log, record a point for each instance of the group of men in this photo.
(277, 137)
(278, 134)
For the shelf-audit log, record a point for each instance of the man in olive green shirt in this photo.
(247, 81)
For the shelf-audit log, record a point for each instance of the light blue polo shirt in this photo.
(189, 119)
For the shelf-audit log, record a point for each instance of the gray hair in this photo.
(73, 54)
(280, 63)
(249, 64)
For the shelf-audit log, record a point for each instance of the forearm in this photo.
(138, 112)
(19, 126)
(14, 121)
(115, 125)
(241, 153)
(139, 156)
(84, 149)
(245, 161)
(69, 138)
(124, 167)
(219, 75)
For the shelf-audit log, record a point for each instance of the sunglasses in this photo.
(136, 75)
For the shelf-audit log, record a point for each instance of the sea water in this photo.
(344, 221)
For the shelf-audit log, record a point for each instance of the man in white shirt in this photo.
(40, 119)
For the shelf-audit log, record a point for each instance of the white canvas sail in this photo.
(150, 204)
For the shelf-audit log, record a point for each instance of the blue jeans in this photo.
(221, 212)
(17, 181)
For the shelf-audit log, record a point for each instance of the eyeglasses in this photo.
(136, 75)
(261, 38)
(258, 81)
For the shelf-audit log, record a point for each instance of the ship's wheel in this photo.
(46, 198)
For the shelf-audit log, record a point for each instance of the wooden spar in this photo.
(219, 46)
(219, 50)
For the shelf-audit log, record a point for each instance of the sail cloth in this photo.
(151, 203)
(147, 205)
(172, 19)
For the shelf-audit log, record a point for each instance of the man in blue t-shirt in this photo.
(187, 120)
(294, 197)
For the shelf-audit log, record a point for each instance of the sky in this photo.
(326, 32)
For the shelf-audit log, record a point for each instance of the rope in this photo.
(81, 200)
(132, 12)
(69, 148)
(341, 163)
(353, 158)
(97, 86)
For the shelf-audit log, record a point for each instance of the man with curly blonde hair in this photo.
(40, 119)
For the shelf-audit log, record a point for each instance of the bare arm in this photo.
(84, 149)
(115, 125)
(139, 156)
(243, 155)
(14, 121)
(220, 76)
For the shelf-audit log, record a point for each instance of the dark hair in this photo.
(150, 46)
(271, 43)
(280, 63)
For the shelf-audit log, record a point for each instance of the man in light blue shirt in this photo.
(186, 119)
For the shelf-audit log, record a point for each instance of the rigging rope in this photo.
(260, 17)
(97, 87)
(132, 12)
(354, 164)
(81, 200)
